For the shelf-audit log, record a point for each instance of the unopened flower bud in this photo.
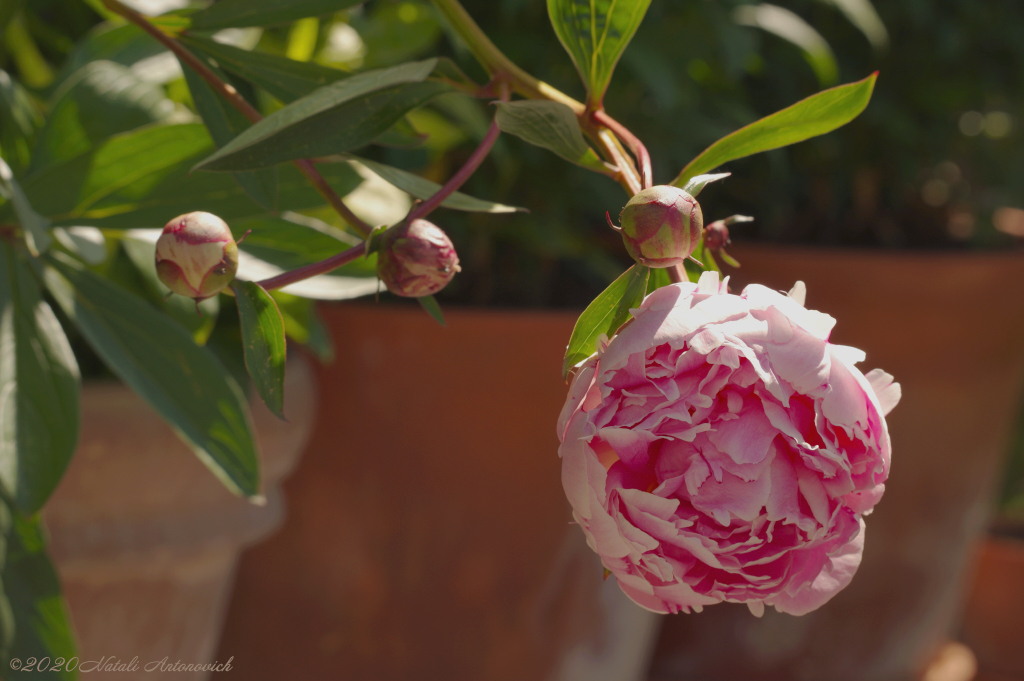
(716, 235)
(196, 256)
(416, 259)
(661, 226)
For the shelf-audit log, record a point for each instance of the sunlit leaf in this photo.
(39, 385)
(241, 13)
(158, 359)
(550, 125)
(333, 119)
(816, 115)
(263, 342)
(605, 314)
(595, 33)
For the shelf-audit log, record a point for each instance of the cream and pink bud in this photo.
(416, 259)
(661, 226)
(196, 255)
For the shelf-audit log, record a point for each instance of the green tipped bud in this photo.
(196, 255)
(661, 226)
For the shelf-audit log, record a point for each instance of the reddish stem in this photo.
(229, 93)
(458, 179)
(643, 157)
(322, 267)
(677, 274)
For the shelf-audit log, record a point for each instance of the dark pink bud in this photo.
(661, 226)
(196, 256)
(716, 235)
(416, 259)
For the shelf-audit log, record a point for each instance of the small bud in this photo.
(661, 226)
(196, 256)
(416, 259)
(716, 235)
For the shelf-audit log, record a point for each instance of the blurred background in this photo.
(908, 221)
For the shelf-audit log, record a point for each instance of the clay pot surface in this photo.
(146, 539)
(428, 535)
(993, 623)
(951, 330)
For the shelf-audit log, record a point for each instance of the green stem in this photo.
(501, 68)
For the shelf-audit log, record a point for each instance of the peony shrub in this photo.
(719, 448)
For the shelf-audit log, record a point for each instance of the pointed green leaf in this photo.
(39, 384)
(224, 123)
(605, 315)
(550, 125)
(242, 13)
(98, 101)
(263, 342)
(694, 185)
(18, 123)
(793, 29)
(816, 115)
(423, 188)
(199, 319)
(141, 179)
(659, 277)
(34, 620)
(432, 308)
(158, 359)
(282, 77)
(37, 235)
(595, 33)
(333, 119)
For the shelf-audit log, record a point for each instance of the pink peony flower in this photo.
(719, 448)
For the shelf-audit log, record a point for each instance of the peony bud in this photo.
(661, 226)
(716, 235)
(416, 259)
(196, 256)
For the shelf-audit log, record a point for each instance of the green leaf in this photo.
(595, 34)
(37, 236)
(158, 359)
(34, 621)
(242, 13)
(18, 123)
(793, 29)
(694, 185)
(605, 315)
(263, 342)
(333, 119)
(423, 188)
(141, 179)
(284, 78)
(401, 135)
(816, 115)
(432, 308)
(550, 125)
(659, 277)
(302, 324)
(224, 123)
(125, 44)
(98, 101)
(39, 384)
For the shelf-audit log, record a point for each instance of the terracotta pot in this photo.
(993, 623)
(428, 535)
(146, 539)
(951, 329)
